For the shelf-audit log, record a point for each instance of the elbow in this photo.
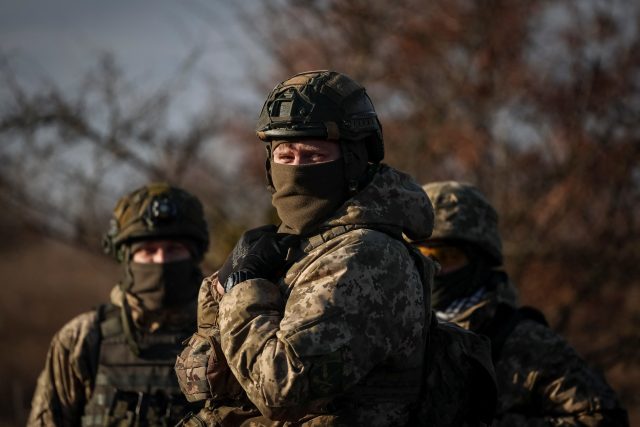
(282, 401)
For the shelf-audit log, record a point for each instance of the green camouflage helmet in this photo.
(321, 105)
(156, 211)
(463, 213)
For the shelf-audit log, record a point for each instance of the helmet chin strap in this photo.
(126, 261)
(127, 325)
(125, 309)
(267, 167)
(355, 171)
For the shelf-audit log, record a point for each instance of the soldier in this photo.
(541, 380)
(324, 320)
(114, 365)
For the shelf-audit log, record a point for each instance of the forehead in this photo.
(305, 145)
(157, 243)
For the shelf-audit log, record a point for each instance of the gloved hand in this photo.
(241, 250)
(260, 253)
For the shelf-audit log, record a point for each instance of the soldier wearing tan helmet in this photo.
(322, 320)
(541, 380)
(114, 365)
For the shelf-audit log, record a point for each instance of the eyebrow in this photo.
(289, 146)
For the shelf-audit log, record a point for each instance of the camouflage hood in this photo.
(145, 319)
(392, 202)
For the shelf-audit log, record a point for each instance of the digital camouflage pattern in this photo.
(203, 374)
(463, 213)
(66, 384)
(339, 340)
(541, 379)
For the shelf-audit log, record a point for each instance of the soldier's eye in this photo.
(285, 158)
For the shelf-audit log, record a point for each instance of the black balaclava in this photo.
(306, 195)
(462, 282)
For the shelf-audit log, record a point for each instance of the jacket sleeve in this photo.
(294, 355)
(67, 378)
(550, 385)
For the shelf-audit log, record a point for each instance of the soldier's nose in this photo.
(160, 256)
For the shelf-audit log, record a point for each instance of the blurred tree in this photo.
(68, 156)
(538, 103)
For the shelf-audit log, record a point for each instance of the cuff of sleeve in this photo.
(237, 277)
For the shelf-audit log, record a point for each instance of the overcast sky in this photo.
(60, 40)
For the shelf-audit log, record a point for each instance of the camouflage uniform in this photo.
(339, 340)
(204, 375)
(114, 365)
(541, 379)
(67, 382)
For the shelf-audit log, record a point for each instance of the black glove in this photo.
(260, 253)
(241, 250)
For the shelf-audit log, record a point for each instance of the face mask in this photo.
(458, 284)
(307, 195)
(168, 284)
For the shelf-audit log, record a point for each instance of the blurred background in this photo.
(536, 102)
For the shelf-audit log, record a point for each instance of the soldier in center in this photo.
(322, 320)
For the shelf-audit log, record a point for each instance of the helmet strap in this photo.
(125, 250)
(267, 168)
(355, 165)
(127, 326)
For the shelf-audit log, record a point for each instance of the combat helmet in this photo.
(156, 210)
(324, 105)
(462, 213)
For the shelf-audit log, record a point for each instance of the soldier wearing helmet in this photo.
(541, 380)
(114, 365)
(323, 319)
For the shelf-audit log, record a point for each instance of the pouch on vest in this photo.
(203, 372)
(460, 387)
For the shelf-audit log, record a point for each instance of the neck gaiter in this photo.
(460, 283)
(164, 285)
(306, 195)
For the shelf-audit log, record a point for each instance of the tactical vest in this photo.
(135, 390)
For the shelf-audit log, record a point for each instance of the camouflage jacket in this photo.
(541, 379)
(67, 381)
(339, 340)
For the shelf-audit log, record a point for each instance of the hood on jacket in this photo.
(392, 202)
(175, 317)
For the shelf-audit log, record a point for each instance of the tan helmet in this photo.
(462, 213)
(156, 211)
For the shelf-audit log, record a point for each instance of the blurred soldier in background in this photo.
(114, 365)
(324, 319)
(541, 379)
